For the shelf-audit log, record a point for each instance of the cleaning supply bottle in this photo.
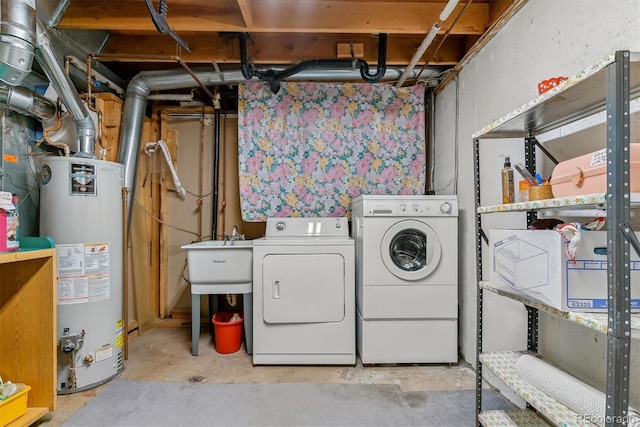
(508, 189)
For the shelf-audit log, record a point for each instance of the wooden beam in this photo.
(247, 14)
(282, 48)
(289, 16)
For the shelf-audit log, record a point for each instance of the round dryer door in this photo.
(411, 250)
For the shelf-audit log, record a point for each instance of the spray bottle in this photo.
(508, 189)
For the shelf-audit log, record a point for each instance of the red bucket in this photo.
(228, 334)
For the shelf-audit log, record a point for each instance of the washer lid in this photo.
(411, 250)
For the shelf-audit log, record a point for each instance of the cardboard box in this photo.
(534, 263)
(587, 174)
(8, 223)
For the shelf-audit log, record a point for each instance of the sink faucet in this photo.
(234, 235)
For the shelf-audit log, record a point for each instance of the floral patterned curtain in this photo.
(309, 149)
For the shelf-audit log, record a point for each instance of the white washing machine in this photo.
(304, 293)
(406, 278)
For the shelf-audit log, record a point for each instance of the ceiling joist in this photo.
(288, 16)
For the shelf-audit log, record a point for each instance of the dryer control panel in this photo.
(307, 227)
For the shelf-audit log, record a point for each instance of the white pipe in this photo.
(444, 15)
(421, 50)
(172, 96)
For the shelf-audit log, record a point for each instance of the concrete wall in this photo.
(546, 38)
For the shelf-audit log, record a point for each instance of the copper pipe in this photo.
(125, 272)
(201, 175)
(154, 58)
(192, 74)
(93, 108)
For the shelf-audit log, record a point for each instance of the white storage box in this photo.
(534, 263)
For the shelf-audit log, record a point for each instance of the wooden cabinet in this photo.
(28, 327)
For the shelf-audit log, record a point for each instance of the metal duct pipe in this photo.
(66, 91)
(17, 40)
(29, 103)
(146, 82)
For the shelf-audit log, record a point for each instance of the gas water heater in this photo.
(81, 210)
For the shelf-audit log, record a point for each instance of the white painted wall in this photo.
(546, 38)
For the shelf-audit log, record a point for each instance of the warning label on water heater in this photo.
(83, 272)
(83, 179)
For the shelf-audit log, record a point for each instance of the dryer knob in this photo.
(403, 207)
(280, 226)
(338, 225)
(446, 208)
(415, 208)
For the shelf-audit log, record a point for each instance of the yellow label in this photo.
(119, 341)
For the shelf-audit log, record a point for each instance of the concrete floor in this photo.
(164, 354)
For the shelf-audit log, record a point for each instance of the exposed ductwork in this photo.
(25, 102)
(66, 91)
(162, 80)
(23, 37)
(273, 78)
(17, 40)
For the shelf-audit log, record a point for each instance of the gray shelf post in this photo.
(618, 256)
(478, 229)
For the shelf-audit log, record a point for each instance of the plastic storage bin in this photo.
(14, 407)
(587, 174)
(228, 334)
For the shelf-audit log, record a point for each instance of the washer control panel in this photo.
(412, 206)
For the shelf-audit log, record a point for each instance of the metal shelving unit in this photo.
(608, 85)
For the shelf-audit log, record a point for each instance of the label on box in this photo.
(583, 280)
(599, 157)
(8, 222)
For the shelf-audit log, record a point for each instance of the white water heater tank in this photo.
(81, 210)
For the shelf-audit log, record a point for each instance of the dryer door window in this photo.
(411, 250)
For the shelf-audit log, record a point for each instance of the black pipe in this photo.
(382, 62)
(247, 70)
(216, 180)
(274, 79)
(216, 171)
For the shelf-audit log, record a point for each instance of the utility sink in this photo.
(222, 262)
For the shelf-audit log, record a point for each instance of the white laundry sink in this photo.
(220, 262)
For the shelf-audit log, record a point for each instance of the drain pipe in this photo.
(216, 195)
(47, 59)
(274, 78)
(216, 166)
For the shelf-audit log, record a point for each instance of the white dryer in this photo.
(304, 293)
(406, 278)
